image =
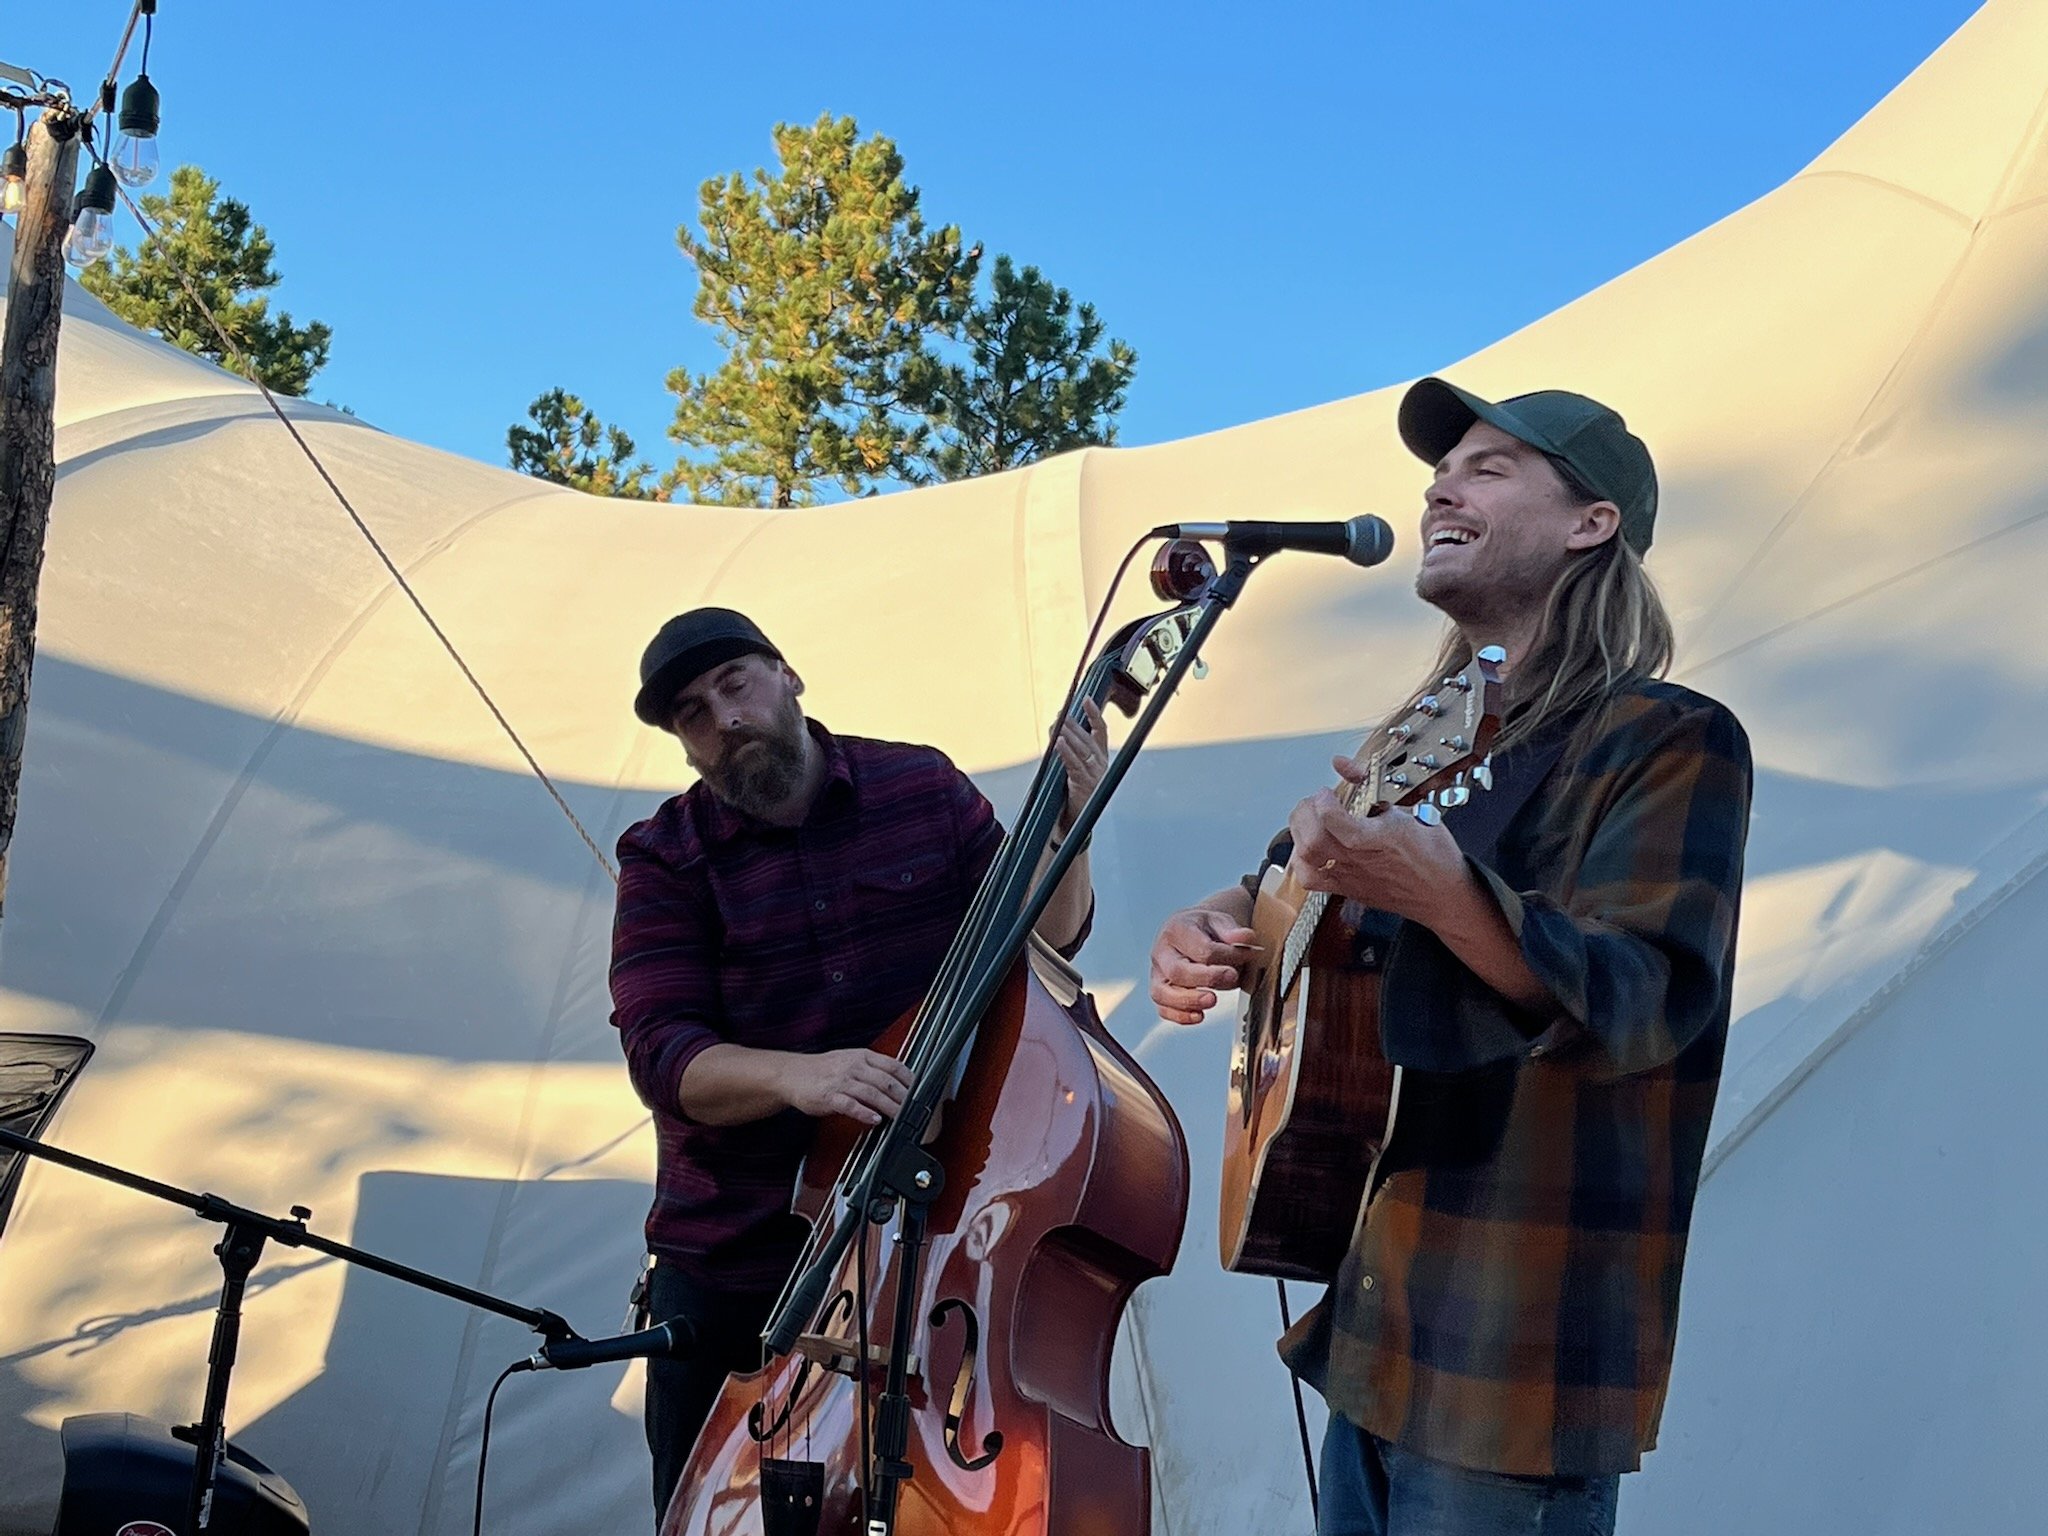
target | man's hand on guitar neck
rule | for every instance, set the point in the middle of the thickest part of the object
(1199, 952)
(1391, 861)
(1414, 870)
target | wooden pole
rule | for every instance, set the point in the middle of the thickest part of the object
(28, 400)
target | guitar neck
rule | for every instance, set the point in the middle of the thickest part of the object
(1359, 801)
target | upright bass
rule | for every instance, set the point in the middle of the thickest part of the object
(944, 1348)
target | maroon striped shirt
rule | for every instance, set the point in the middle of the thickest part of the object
(811, 938)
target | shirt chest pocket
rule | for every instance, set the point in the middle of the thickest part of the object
(905, 888)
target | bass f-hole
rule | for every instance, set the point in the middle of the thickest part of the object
(963, 1384)
(838, 1309)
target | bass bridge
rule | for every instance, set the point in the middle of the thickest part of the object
(837, 1355)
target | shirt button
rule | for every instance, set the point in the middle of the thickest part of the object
(839, 975)
(905, 877)
(1365, 1283)
(817, 906)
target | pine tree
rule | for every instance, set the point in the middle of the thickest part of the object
(824, 287)
(569, 445)
(1032, 383)
(211, 240)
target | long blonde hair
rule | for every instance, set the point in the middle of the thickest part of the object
(1604, 629)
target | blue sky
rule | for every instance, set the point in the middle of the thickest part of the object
(1277, 206)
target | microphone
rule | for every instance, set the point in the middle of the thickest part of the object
(573, 1354)
(1364, 540)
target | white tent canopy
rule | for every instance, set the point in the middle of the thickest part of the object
(337, 947)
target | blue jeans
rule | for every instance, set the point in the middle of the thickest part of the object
(1371, 1488)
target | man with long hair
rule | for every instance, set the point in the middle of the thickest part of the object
(1556, 960)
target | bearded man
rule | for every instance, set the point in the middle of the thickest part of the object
(772, 920)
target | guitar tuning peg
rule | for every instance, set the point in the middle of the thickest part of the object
(1483, 774)
(1450, 799)
(1493, 654)
(1429, 815)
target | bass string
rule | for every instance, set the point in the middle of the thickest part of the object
(1002, 892)
(1015, 861)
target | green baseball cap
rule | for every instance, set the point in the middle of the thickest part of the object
(1587, 435)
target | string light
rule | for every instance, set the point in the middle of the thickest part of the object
(92, 216)
(14, 168)
(135, 159)
(131, 159)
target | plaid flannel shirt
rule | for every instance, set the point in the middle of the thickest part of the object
(1515, 1310)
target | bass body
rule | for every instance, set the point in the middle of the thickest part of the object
(1066, 1186)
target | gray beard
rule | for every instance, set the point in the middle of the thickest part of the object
(758, 773)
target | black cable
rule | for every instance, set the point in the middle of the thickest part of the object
(384, 555)
(483, 1449)
(135, 14)
(1308, 1458)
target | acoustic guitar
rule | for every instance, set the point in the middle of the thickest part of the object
(1312, 1094)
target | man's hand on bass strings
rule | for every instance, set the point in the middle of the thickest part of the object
(863, 1086)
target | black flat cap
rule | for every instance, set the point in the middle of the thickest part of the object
(688, 646)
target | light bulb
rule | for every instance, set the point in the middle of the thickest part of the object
(134, 158)
(91, 237)
(13, 178)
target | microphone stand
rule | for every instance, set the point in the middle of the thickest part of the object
(238, 1251)
(904, 1173)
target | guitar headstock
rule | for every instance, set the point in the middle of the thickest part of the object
(1437, 751)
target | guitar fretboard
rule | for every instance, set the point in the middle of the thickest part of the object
(1295, 950)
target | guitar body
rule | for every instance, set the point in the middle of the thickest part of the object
(1312, 1098)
